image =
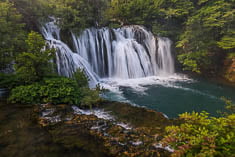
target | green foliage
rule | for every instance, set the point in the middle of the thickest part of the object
(229, 108)
(176, 8)
(208, 29)
(60, 90)
(90, 97)
(200, 135)
(33, 11)
(74, 15)
(134, 11)
(193, 61)
(25, 94)
(9, 81)
(35, 43)
(12, 34)
(56, 91)
(34, 64)
(227, 41)
(81, 79)
(77, 15)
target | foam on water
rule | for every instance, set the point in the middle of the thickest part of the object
(140, 85)
(167, 148)
(97, 112)
(100, 113)
(126, 126)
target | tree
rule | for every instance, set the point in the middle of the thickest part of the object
(208, 31)
(77, 15)
(80, 77)
(12, 34)
(142, 12)
(34, 64)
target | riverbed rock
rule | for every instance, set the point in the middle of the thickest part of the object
(132, 132)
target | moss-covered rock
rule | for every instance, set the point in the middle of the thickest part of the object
(110, 137)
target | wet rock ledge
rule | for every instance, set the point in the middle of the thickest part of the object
(114, 129)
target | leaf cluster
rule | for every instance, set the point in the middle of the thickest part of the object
(202, 135)
(12, 34)
(33, 65)
(58, 90)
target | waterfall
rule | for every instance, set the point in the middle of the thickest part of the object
(123, 53)
(66, 60)
(165, 60)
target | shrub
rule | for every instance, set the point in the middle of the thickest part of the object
(194, 62)
(202, 136)
(80, 77)
(60, 90)
(26, 94)
(90, 97)
(56, 91)
(9, 81)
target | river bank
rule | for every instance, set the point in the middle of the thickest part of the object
(113, 129)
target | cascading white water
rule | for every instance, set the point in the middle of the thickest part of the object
(165, 60)
(124, 53)
(67, 61)
(117, 53)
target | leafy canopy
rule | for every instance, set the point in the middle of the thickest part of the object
(208, 30)
(34, 64)
(12, 34)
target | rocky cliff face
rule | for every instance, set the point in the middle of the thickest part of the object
(229, 70)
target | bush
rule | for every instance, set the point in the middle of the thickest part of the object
(80, 77)
(26, 94)
(202, 136)
(60, 90)
(9, 81)
(56, 91)
(90, 97)
(194, 62)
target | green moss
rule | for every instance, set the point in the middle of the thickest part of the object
(148, 120)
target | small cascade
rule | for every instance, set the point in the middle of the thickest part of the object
(165, 60)
(123, 53)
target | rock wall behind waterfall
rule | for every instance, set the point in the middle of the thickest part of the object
(127, 52)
